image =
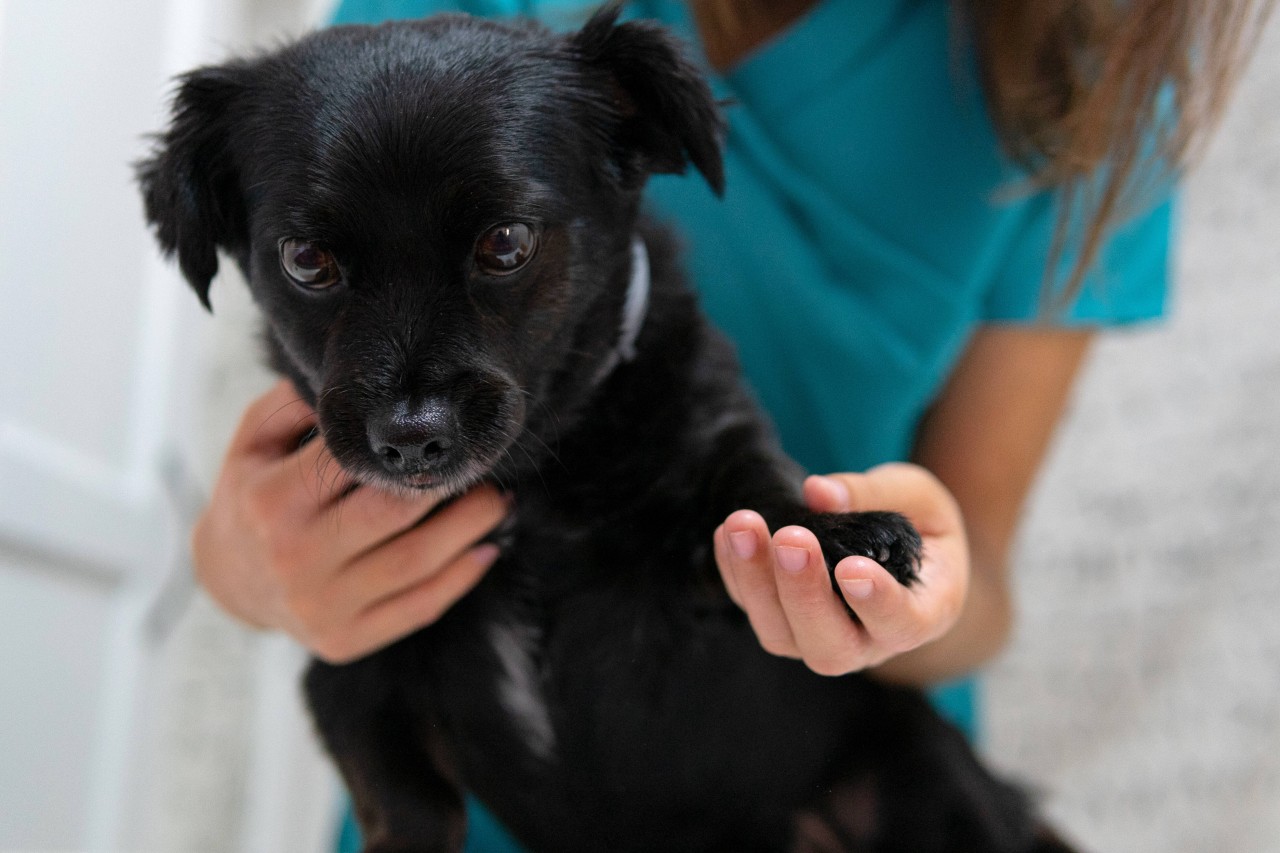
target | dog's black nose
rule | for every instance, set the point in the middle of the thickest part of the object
(413, 438)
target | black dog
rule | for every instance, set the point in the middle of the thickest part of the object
(439, 220)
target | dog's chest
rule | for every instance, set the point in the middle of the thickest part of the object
(520, 682)
(585, 670)
(621, 712)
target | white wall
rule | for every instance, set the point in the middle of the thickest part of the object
(104, 367)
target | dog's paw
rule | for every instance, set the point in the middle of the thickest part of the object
(886, 537)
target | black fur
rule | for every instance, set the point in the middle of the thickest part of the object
(597, 690)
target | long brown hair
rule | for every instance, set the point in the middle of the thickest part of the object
(1101, 99)
(1106, 98)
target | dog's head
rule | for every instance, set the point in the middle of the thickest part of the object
(435, 218)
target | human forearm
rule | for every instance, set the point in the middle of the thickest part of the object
(985, 438)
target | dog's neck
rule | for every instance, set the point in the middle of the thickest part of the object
(634, 310)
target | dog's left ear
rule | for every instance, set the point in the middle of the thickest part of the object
(667, 115)
(190, 184)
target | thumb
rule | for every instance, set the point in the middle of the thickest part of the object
(896, 486)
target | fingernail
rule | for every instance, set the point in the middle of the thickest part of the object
(859, 588)
(839, 490)
(485, 554)
(743, 543)
(792, 559)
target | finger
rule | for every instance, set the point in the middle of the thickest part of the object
(407, 559)
(748, 568)
(366, 517)
(898, 486)
(894, 617)
(420, 605)
(829, 641)
(826, 494)
(274, 423)
(322, 478)
(290, 494)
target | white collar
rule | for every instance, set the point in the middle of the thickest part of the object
(634, 311)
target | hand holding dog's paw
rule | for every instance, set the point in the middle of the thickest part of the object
(783, 583)
(888, 538)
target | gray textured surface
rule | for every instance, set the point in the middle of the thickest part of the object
(1143, 685)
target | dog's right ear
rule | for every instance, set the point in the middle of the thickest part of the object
(665, 114)
(190, 184)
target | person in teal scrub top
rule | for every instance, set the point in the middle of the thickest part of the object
(931, 208)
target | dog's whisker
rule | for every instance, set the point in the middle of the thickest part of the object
(553, 421)
(331, 476)
(533, 463)
(550, 451)
(257, 432)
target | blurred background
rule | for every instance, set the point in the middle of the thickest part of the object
(1141, 694)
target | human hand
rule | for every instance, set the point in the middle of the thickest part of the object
(783, 585)
(289, 541)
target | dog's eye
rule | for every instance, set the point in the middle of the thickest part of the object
(308, 265)
(506, 248)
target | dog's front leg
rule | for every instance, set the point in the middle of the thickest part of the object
(405, 799)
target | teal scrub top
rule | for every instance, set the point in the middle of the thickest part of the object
(870, 223)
